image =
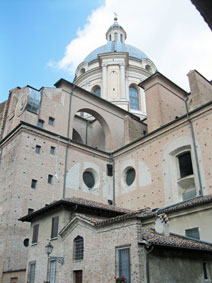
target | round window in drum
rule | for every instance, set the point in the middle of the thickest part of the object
(89, 179)
(130, 176)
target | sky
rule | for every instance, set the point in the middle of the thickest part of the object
(42, 41)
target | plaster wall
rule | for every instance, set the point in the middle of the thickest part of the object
(175, 266)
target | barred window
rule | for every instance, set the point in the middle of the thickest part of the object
(78, 248)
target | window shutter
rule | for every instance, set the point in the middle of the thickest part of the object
(35, 234)
(55, 222)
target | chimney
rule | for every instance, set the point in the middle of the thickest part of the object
(162, 224)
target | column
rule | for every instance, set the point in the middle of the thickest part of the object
(123, 92)
(104, 81)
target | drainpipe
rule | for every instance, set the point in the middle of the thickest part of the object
(86, 133)
(114, 187)
(195, 149)
(68, 136)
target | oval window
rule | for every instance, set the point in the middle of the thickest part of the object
(89, 179)
(130, 176)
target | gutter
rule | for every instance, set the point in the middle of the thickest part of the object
(67, 147)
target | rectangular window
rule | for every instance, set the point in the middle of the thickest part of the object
(52, 150)
(33, 183)
(31, 272)
(78, 276)
(52, 271)
(109, 170)
(40, 123)
(55, 224)
(50, 179)
(124, 263)
(192, 233)
(51, 121)
(185, 164)
(37, 149)
(30, 210)
(205, 270)
(35, 234)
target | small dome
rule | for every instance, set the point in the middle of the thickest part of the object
(115, 46)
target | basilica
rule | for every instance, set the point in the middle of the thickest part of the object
(108, 177)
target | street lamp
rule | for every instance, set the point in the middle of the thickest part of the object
(48, 250)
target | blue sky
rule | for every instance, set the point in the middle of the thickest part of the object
(33, 32)
(42, 41)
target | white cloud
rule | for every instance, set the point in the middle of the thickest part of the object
(172, 33)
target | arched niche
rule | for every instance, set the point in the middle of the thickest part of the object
(91, 128)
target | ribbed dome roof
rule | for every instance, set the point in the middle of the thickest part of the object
(115, 46)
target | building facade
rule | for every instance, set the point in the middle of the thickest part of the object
(99, 139)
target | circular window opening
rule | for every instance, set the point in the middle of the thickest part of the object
(148, 68)
(130, 176)
(89, 179)
(26, 242)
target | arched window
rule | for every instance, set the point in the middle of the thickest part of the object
(97, 91)
(116, 36)
(121, 37)
(78, 248)
(134, 101)
(110, 37)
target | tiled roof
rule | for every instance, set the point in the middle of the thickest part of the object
(95, 204)
(79, 203)
(185, 204)
(174, 241)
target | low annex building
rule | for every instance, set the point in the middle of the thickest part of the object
(92, 242)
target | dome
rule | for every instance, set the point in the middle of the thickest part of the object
(116, 46)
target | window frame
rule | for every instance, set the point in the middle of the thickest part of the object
(51, 121)
(35, 233)
(52, 150)
(34, 183)
(50, 179)
(37, 149)
(133, 105)
(54, 270)
(40, 123)
(31, 279)
(78, 249)
(181, 174)
(195, 230)
(55, 227)
(118, 271)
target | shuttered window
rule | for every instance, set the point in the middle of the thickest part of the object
(124, 263)
(55, 223)
(35, 234)
(31, 272)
